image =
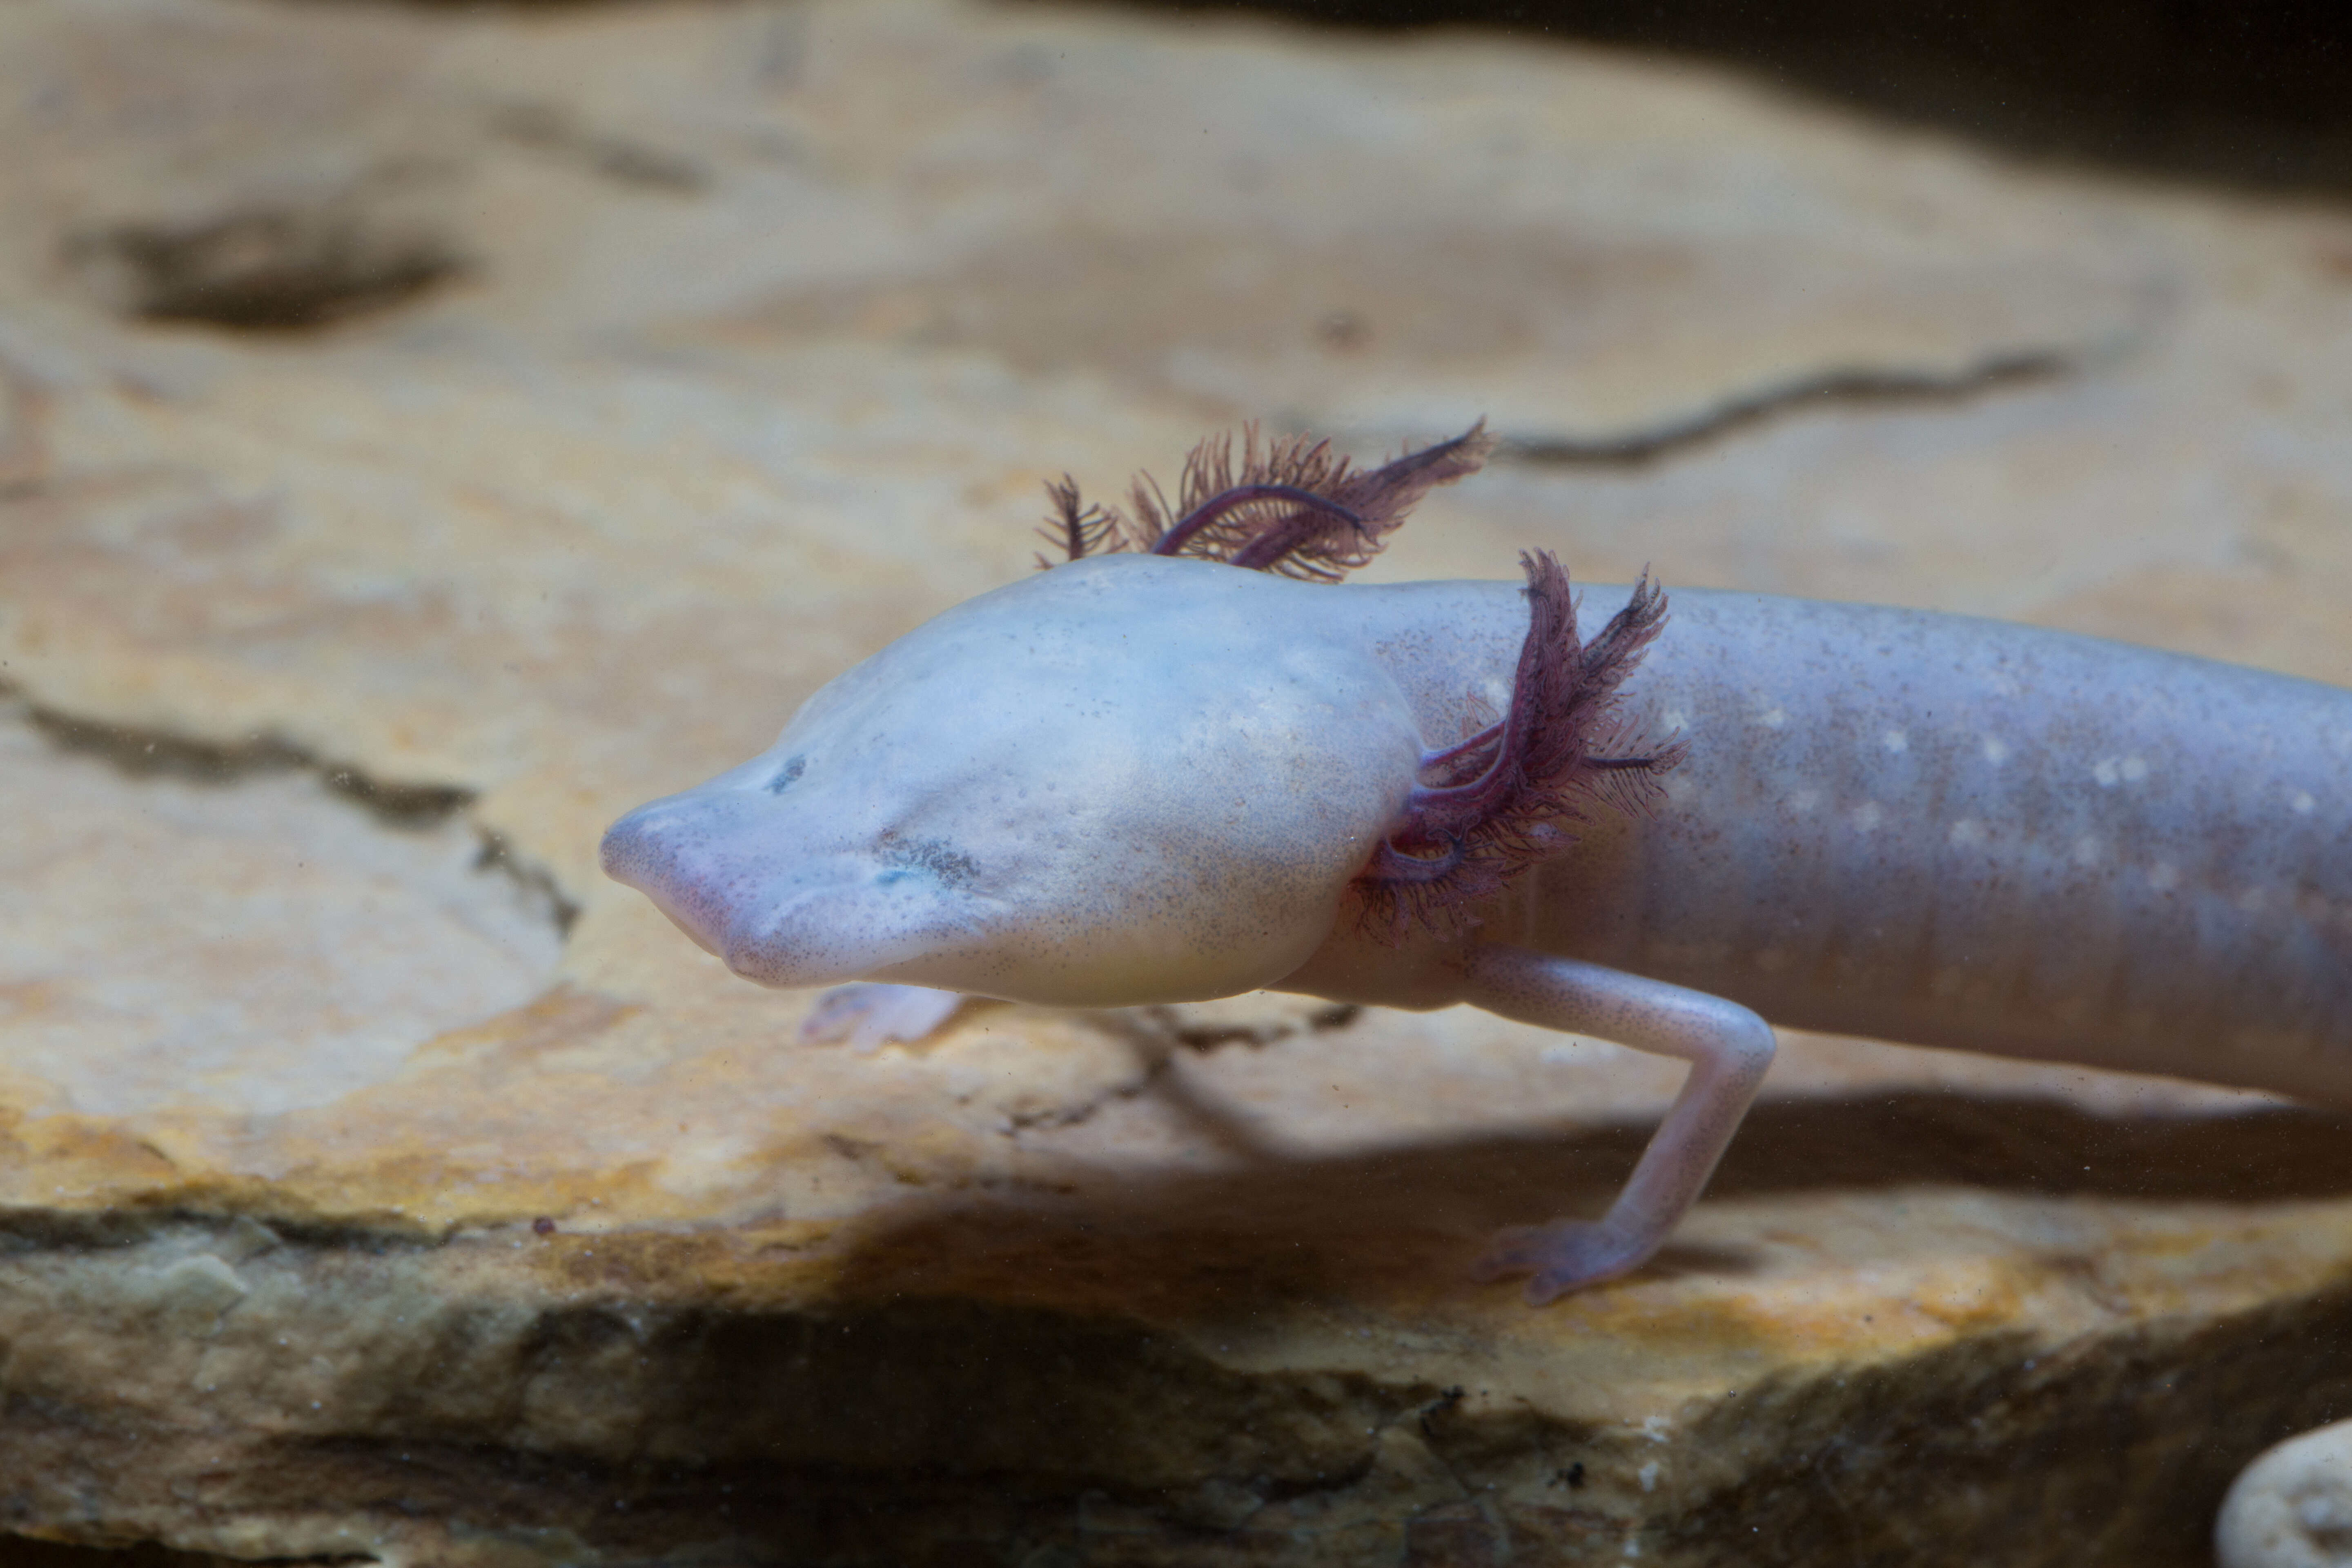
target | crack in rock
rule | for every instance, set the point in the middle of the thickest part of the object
(158, 752)
(266, 269)
(148, 753)
(1854, 387)
(547, 128)
(170, 941)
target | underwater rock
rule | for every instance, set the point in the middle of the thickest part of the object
(435, 1201)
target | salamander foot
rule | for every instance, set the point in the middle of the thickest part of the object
(870, 1015)
(1565, 1256)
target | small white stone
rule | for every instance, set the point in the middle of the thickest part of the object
(190, 1295)
(2291, 1508)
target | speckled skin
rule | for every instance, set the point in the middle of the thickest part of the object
(1127, 780)
(1139, 779)
(1939, 831)
(1136, 779)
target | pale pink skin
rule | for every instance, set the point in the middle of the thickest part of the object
(1924, 828)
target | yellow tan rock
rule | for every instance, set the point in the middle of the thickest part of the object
(764, 327)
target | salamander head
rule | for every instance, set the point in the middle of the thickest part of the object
(1130, 779)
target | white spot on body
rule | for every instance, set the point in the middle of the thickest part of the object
(1867, 815)
(2302, 804)
(1773, 718)
(2107, 772)
(1967, 830)
(1804, 801)
(1996, 749)
(2163, 876)
(2134, 770)
(1896, 740)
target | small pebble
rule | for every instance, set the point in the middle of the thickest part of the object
(2291, 1508)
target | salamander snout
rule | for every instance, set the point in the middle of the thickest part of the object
(782, 898)
(678, 851)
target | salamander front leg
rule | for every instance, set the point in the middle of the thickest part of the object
(1729, 1049)
(870, 1014)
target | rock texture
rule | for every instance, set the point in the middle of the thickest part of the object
(424, 434)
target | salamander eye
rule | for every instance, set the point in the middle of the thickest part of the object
(787, 775)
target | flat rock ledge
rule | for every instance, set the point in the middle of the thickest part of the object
(426, 432)
(627, 1397)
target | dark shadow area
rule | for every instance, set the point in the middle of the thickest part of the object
(24, 1552)
(1920, 1138)
(1286, 1224)
(2258, 94)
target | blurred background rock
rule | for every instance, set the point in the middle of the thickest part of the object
(2259, 95)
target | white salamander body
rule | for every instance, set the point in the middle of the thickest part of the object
(1944, 831)
(1154, 776)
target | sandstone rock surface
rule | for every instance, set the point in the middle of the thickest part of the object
(425, 434)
